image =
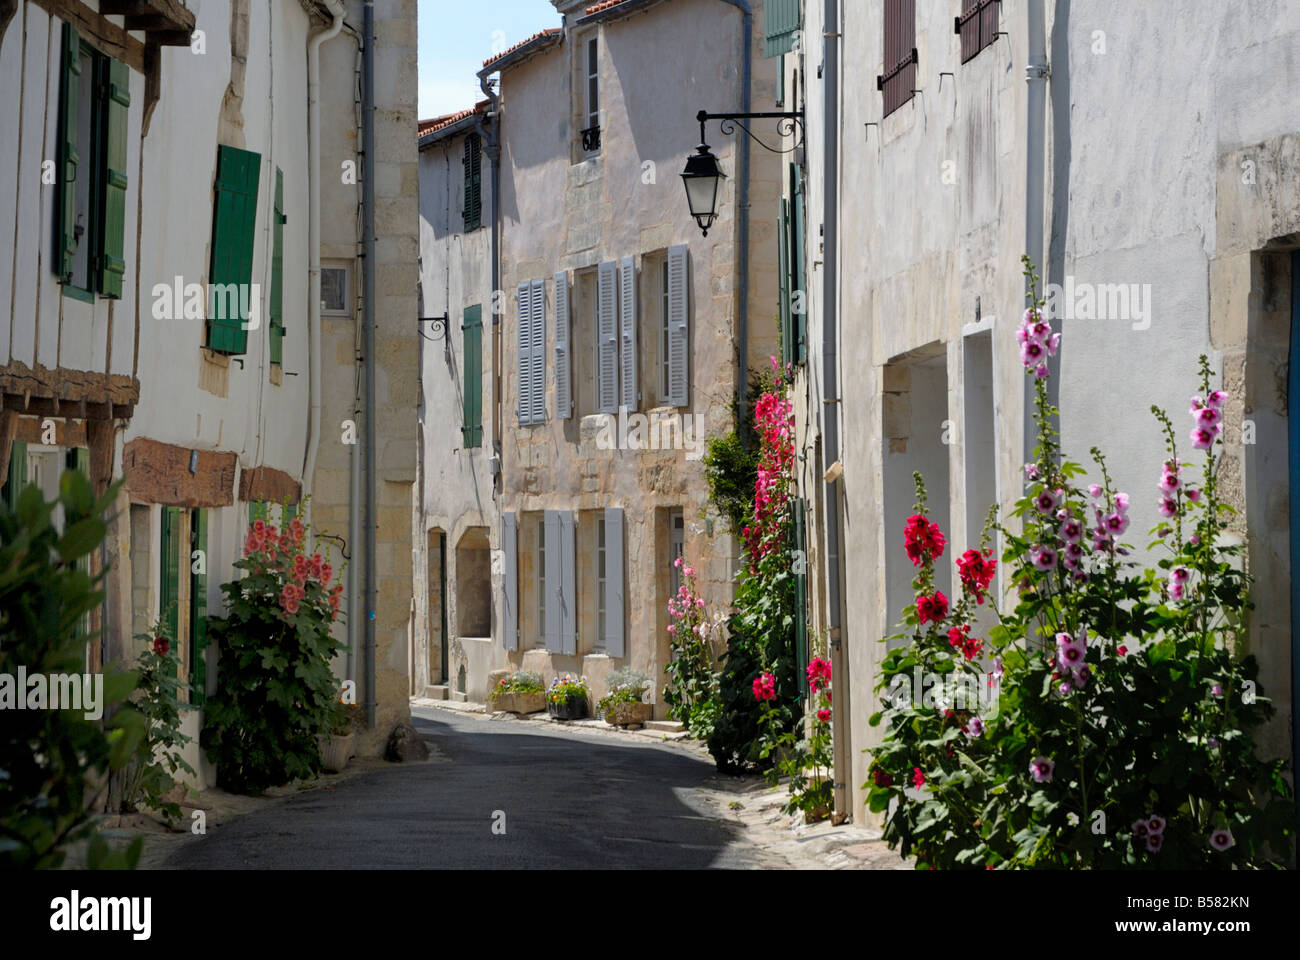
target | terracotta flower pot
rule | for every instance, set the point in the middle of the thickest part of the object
(624, 714)
(336, 751)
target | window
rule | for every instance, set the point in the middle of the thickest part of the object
(780, 26)
(591, 135)
(541, 583)
(90, 217)
(472, 333)
(898, 80)
(234, 223)
(532, 352)
(601, 602)
(676, 546)
(334, 291)
(275, 308)
(473, 211)
(791, 256)
(977, 26)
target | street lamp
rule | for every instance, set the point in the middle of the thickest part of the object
(702, 177)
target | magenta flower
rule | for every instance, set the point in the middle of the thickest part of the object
(1193, 494)
(1168, 507)
(1031, 471)
(1202, 438)
(1094, 490)
(1121, 503)
(1040, 768)
(1208, 417)
(974, 728)
(1217, 399)
(1155, 824)
(1180, 574)
(1046, 501)
(1071, 531)
(1216, 690)
(1043, 557)
(1041, 371)
(1154, 842)
(1221, 840)
(1117, 523)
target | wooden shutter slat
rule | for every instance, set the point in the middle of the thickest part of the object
(510, 578)
(563, 356)
(568, 584)
(116, 106)
(538, 355)
(551, 602)
(607, 330)
(627, 333)
(524, 313)
(614, 566)
(678, 332)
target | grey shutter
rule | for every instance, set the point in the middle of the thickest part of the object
(551, 602)
(538, 355)
(678, 357)
(563, 365)
(627, 331)
(614, 579)
(568, 582)
(510, 602)
(607, 330)
(525, 322)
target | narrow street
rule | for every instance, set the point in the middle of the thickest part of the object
(571, 800)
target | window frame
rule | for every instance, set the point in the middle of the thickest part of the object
(897, 26)
(88, 164)
(345, 268)
(983, 16)
(602, 582)
(539, 553)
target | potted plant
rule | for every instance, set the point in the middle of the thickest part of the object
(567, 698)
(336, 747)
(519, 692)
(625, 704)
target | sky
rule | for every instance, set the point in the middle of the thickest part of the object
(456, 36)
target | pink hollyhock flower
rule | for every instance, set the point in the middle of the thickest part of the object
(1202, 438)
(918, 778)
(1194, 404)
(291, 605)
(677, 562)
(1117, 523)
(974, 728)
(1082, 675)
(997, 666)
(1155, 825)
(1121, 503)
(1155, 842)
(1043, 557)
(1194, 540)
(1221, 840)
(1041, 371)
(1208, 417)
(1168, 482)
(1032, 353)
(1040, 768)
(1139, 829)
(1094, 490)
(1168, 507)
(689, 571)
(259, 527)
(1081, 578)
(1216, 690)
(672, 628)
(326, 573)
(824, 715)
(1071, 531)
(1180, 574)
(1217, 399)
(1175, 591)
(1046, 501)
(699, 602)
(1053, 344)
(1193, 494)
(1031, 471)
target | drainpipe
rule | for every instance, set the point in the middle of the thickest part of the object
(313, 241)
(830, 395)
(492, 127)
(368, 293)
(1037, 72)
(742, 211)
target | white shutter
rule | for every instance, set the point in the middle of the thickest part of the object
(525, 322)
(538, 355)
(563, 365)
(678, 344)
(551, 602)
(568, 581)
(614, 576)
(627, 329)
(607, 331)
(510, 602)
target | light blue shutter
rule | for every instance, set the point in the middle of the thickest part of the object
(627, 332)
(510, 601)
(613, 582)
(563, 364)
(678, 303)
(607, 330)
(538, 354)
(780, 24)
(551, 602)
(525, 323)
(568, 581)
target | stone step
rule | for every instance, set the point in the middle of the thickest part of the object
(436, 692)
(665, 726)
(459, 697)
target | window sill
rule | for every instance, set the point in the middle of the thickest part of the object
(76, 293)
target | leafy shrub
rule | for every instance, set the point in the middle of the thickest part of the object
(54, 764)
(521, 681)
(275, 691)
(692, 663)
(625, 686)
(158, 758)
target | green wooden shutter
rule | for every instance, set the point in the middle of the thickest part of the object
(198, 607)
(473, 212)
(234, 222)
(78, 459)
(169, 567)
(275, 309)
(780, 23)
(798, 278)
(116, 107)
(801, 590)
(472, 428)
(288, 513)
(65, 236)
(256, 511)
(783, 281)
(17, 477)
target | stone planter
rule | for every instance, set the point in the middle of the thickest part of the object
(624, 714)
(817, 814)
(336, 751)
(520, 703)
(574, 709)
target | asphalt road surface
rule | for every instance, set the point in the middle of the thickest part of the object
(570, 800)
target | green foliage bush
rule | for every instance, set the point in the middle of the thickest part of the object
(158, 758)
(54, 764)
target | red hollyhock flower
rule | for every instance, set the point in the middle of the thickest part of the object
(823, 715)
(922, 540)
(819, 673)
(161, 646)
(918, 778)
(1122, 650)
(882, 778)
(976, 571)
(932, 609)
(765, 687)
(960, 638)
